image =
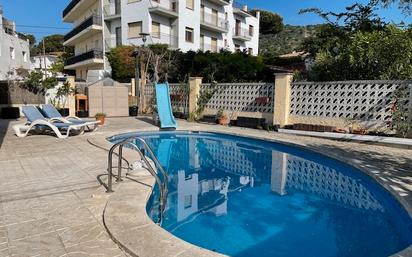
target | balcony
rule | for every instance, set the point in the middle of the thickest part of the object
(241, 10)
(209, 47)
(88, 28)
(213, 23)
(75, 9)
(90, 58)
(220, 2)
(112, 11)
(162, 38)
(241, 34)
(165, 8)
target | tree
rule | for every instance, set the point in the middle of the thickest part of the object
(405, 5)
(270, 23)
(357, 17)
(30, 37)
(52, 43)
(122, 63)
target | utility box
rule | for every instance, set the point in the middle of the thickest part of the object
(109, 97)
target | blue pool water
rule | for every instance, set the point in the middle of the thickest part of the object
(247, 197)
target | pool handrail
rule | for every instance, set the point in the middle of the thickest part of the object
(163, 187)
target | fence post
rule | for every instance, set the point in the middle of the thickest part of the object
(194, 87)
(71, 101)
(282, 92)
(133, 86)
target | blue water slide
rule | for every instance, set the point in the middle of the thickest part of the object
(164, 107)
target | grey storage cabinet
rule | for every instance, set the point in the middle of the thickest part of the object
(109, 97)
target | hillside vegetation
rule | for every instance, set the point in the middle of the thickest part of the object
(288, 40)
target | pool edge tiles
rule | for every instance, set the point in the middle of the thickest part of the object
(265, 140)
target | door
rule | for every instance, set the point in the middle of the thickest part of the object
(214, 45)
(118, 36)
(214, 17)
(237, 29)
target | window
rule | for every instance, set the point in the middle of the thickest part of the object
(226, 16)
(12, 53)
(250, 51)
(133, 1)
(190, 4)
(187, 201)
(214, 45)
(251, 30)
(156, 29)
(225, 42)
(189, 35)
(237, 48)
(135, 28)
(24, 56)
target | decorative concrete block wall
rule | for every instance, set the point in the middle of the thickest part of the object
(284, 102)
(241, 99)
(336, 103)
(179, 99)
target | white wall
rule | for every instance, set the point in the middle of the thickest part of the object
(6, 62)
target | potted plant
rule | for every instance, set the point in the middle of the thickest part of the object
(222, 119)
(100, 116)
(63, 94)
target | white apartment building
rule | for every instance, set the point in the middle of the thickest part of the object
(208, 25)
(14, 51)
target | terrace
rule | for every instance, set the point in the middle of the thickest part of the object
(53, 204)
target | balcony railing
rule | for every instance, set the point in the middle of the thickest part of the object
(209, 47)
(70, 7)
(241, 33)
(162, 38)
(92, 20)
(167, 8)
(213, 20)
(92, 54)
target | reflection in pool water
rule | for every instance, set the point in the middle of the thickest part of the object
(244, 197)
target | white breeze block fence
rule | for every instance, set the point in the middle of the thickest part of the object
(331, 102)
(240, 99)
(317, 103)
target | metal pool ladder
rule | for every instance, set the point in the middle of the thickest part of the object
(130, 142)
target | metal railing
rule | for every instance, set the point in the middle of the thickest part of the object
(171, 5)
(214, 20)
(209, 47)
(163, 38)
(92, 20)
(92, 54)
(130, 142)
(243, 33)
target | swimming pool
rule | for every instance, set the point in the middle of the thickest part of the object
(247, 197)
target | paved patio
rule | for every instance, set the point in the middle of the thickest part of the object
(51, 203)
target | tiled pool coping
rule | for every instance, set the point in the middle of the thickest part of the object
(144, 232)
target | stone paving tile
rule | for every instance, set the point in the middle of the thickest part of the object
(95, 249)
(3, 235)
(83, 233)
(31, 228)
(4, 250)
(42, 245)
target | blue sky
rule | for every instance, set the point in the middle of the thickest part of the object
(37, 14)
